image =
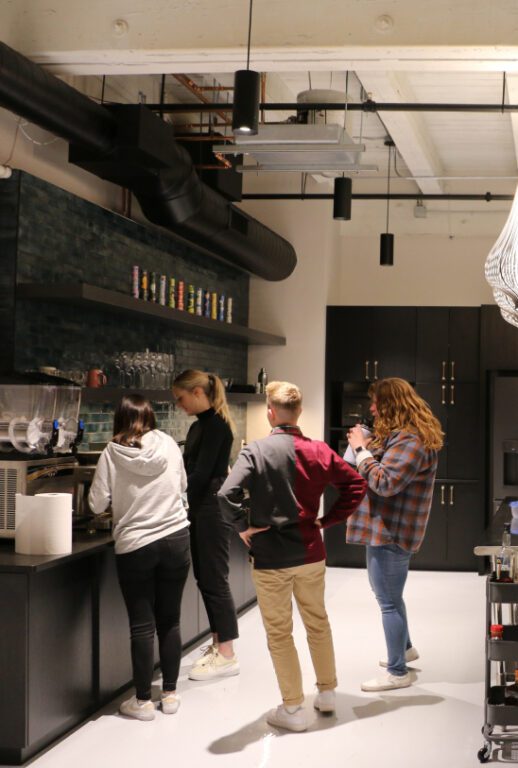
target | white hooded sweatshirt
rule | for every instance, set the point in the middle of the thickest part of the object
(144, 487)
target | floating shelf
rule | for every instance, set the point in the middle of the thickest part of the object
(112, 394)
(83, 294)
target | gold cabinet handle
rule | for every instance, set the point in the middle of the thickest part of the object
(452, 394)
(375, 370)
(452, 370)
(443, 394)
(443, 492)
(443, 377)
(367, 370)
(452, 498)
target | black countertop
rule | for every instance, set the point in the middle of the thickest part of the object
(83, 544)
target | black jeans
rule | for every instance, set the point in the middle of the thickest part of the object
(152, 579)
(210, 551)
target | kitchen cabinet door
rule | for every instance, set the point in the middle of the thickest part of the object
(463, 433)
(433, 552)
(368, 343)
(434, 395)
(465, 525)
(448, 341)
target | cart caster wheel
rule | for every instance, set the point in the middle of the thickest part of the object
(484, 753)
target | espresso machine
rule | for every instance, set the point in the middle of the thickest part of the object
(40, 430)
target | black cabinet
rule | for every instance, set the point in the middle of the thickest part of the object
(455, 527)
(499, 341)
(438, 349)
(368, 343)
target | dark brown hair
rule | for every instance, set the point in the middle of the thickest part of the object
(133, 417)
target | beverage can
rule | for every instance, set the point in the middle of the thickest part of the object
(180, 295)
(206, 304)
(199, 302)
(172, 293)
(162, 290)
(214, 305)
(221, 308)
(229, 309)
(190, 300)
(135, 282)
(152, 286)
(144, 285)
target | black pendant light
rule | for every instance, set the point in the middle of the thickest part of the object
(245, 116)
(342, 198)
(387, 239)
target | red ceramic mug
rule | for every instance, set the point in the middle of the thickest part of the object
(95, 378)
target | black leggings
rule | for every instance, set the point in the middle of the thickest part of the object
(210, 550)
(152, 579)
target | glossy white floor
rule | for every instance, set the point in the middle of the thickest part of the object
(434, 723)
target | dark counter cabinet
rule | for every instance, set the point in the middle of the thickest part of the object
(64, 644)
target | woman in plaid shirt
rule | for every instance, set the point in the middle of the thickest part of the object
(399, 464)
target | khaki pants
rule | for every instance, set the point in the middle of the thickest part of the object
(274, 596)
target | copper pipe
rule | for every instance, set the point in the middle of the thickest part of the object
(215, 87)
(263, 94)
(198, 92)
(212, 167)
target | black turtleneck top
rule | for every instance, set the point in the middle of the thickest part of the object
(206, 454)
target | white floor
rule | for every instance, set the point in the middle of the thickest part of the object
(434, 723)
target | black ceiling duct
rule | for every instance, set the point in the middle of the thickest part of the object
(131, 146)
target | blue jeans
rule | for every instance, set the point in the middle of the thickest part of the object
(387, 567)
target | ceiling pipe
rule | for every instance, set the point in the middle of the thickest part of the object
(131, 146)
(488, 197)
(364, 106)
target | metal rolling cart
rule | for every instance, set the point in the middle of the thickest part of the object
(500, 727)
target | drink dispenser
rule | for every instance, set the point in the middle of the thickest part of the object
(26, 414)
(37, 417)
(67, 417)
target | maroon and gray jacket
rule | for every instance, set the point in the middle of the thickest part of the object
(285, 475)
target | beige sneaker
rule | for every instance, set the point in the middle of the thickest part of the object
(169, 702)
(411, 654)
(207, 652)
(214, 666)
(140, 710)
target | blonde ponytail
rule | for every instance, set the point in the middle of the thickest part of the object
(213, 388)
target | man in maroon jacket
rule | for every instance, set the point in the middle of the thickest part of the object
(285, 475)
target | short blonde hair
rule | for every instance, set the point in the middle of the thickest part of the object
(282, 394)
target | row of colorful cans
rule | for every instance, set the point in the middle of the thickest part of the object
(172, 293)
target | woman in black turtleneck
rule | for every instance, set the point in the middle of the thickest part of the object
(206, 458)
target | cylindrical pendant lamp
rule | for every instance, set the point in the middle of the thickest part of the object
(386, 249)
(342, 198)
(245, 116)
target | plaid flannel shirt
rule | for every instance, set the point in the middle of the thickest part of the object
(400, 477)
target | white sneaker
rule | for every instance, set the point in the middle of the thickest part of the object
(411, 654)
(169, 702)
(140, 710)
(387, 682)
(325, 701)
(216, 665)
(290, 718)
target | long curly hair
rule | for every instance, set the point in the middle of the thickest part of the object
(399, 407)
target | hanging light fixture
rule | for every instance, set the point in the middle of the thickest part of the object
(387, 239)
(501, 267)
(342, 198)
(245, 116)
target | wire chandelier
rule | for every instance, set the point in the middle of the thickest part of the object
(502, 267)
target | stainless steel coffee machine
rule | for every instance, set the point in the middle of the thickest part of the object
(39, 433)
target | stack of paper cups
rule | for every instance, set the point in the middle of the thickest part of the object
(43, 524)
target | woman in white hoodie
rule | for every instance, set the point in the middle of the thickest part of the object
(141, 474)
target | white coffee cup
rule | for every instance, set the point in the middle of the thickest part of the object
(350, 454)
